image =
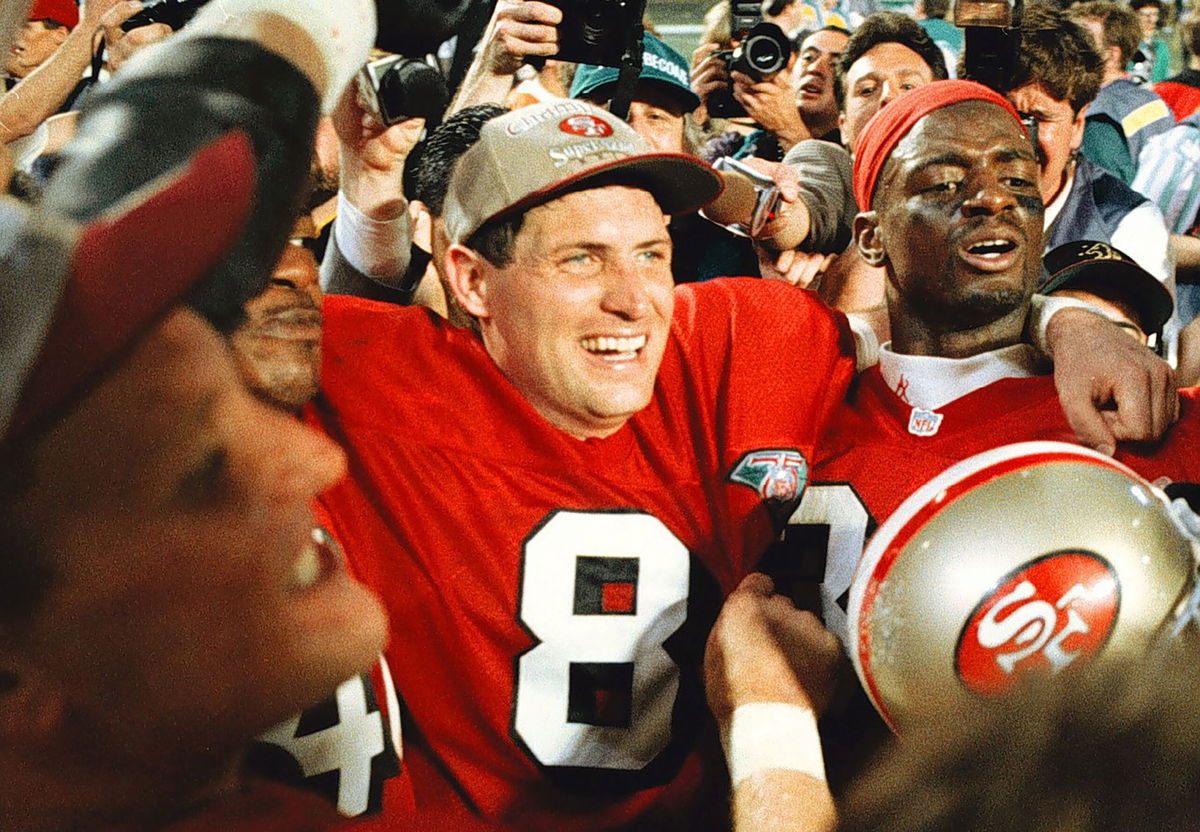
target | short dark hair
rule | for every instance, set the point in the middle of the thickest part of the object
(1059, 55)
(1095, 750)
(887, 27)
(427, 169)
(494, 240)
(1118, 22)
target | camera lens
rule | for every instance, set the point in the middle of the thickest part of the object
(594, 23)
(763, 53)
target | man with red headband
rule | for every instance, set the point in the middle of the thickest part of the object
(947, 181)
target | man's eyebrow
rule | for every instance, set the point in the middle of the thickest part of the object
(947, 158)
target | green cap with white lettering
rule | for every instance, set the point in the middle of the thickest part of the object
(530, 156)
(660, 64)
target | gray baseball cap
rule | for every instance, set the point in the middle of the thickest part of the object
(531, 155)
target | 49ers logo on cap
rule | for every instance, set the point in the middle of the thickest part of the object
(586, 125)
(1046, 615)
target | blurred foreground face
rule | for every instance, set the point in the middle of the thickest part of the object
(190, 607)
(278, 346)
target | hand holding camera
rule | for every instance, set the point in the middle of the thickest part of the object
(519, 29)
(771, 102)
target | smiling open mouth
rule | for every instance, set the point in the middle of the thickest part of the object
(615, 349)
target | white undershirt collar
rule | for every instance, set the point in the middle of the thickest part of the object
(930, 382)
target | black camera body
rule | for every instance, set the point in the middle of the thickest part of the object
(597, 31)
(395, 88)
(174, 13)
(761, 52)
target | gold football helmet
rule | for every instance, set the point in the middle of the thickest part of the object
(1030, 557)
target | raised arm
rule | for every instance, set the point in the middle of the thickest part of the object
(769, 670)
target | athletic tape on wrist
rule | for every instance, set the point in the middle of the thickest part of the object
(773, 735)
(1043, 308)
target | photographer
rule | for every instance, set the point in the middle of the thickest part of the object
(787, 106)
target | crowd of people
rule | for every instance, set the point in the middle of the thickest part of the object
(511, 468)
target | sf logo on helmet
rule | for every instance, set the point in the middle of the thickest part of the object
(1045, 616)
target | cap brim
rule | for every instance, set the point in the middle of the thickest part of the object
(1128, 282)
(680, 183)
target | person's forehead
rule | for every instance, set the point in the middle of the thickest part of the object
(826, 41)
(969, 125)
(1034, 97)
(652, 94)
(889, 57)
(581, 206)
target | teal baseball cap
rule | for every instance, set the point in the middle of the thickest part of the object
(660, 64)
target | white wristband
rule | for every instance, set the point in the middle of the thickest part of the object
(773, 735)
(1042, 308)
(377, 248)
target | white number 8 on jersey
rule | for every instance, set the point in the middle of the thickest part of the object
(601, 592)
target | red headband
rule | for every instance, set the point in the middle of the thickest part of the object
(887, 127)
(60, 11)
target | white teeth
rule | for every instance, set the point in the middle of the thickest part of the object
(619, 348)
(307, 568)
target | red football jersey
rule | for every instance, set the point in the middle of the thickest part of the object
(347, 748)
(550, 597)
(881, 449)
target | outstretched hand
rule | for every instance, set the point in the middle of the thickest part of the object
(1112, 388)
(763, 649)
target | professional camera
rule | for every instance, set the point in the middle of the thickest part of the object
(174, 13)
(992, 38)
(762, 51)
(394, 88)
(765, 51)
(597, 31)
(992, 42)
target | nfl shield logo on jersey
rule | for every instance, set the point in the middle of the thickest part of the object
(777, 474)
(924, 422)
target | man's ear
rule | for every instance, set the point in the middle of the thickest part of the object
(869, 238)
(467, 276)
